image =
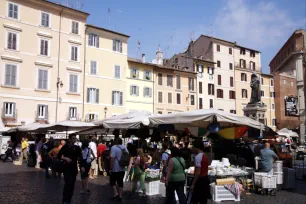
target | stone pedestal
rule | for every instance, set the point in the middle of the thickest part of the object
(257, 112)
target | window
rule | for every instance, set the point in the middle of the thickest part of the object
(242, 51)
(9, 109)
(72, 113)
(210, 70)
(231, 66)
(178, 98)
(73, 83)
(12, 41)
(272, 106)
(135, 73)
(192, 101)
(191, 84)
(244, 93)
(230, 51)
(243, 77)
(272, 94)
(169, 97)
(262, 93)
(117, 46)
(272, 82)
(160, 97)
(170, 80)
(273, 122)
(200, 103)
(117, 71)
(242, 63)
(211, 89)
(200, 68)
(44, 47)
(42, 112)
(200, 87)
(219, 80)
(74, 53)
(147, 75)
(252, 54)
(232, 94)
(284, 81)
(93, 67)
(13, 10)
(262, 81)
(219, 93)
(218, 63)
(43, 79)
(178, 82)
(233, 111)
(160, 112)
(92, 95)
(291, 83)
(117, 98)
(211, 103)
(231, 81)
(252, 66)
(134, 90)
(75, 27)
(45, 19)
(147, 92)
(160, 79)
(92, 116)
(10, 75)
(218, 48)
(93, 40)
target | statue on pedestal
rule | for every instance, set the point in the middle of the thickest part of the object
(255, 85)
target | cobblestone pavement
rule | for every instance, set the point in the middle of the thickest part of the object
(23, 185)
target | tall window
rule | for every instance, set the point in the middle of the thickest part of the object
(219, 93)
(117, 45)
(191, 84)
(211, 103)
(211, 89)
(284, 81)
(242, 63)
(160, 97)
(244, 93)
(178, 82)
(273, 122)
(272, 94)
(42, 112)
(134, 73)
(262, 93)
(169, 80)
(147, 92)
(72, 113)
(200, 68)
(243, 77)
(272, 82)
(219, 80)
(232, 95)
(75, 27)
(200, 87)
(230, 51)
(218, 63)
(218, 48)
(92, 95)
(93, 67)
(192, 100)
(12, 41)
(117, 98)
(44, 47)
(147, 75)
(42, 79)
(242, 51)
(252, 54)
(74, 53)
(117, 71)
(231, 66)
(178, 98)
(9, 109)
(93, 40)
(200, 103)
(273, 106)
(160, 79)
(10, 75)
(231, 81)
(134, 90)
(73, 83)
(45, 19)
(262, 81)
(169, 97)
(252, 65)
(13, 10)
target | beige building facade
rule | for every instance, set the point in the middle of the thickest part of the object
(105, 73)
(41, 62)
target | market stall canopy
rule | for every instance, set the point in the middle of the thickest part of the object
(131, 120)
(92, 130)
(67, 125)
(287, 133)
(202, 118)
(32, 127)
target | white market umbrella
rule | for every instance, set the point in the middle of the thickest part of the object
(67, 125)
(287, 133)
(202, 118)
(32, 127)
(132, 120)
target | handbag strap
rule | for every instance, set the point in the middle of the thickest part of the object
(181, 165)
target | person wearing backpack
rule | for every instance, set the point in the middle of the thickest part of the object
(166, 155)
(119, 160)
(175, 180)
(85, 164)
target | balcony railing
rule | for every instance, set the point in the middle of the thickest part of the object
(42, 119)
(9, 117)
(247, 67)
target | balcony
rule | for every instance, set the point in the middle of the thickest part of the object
(246, 67)
(9, 117)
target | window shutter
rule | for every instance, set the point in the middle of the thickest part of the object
(14, 109)
(131, 90)
(137, 74)
(97, 95)
(45, 84)
(40, 79)
(113, 97)
(246, 77)
(97, 41)
(150, 92)
(120, 46)
(137, 90)
(47, 112)
(213, 89)
(219, 79)
(114, 45)
(144, 91)
(131, 73)
(88, 95)
(90, 39)
(121, 98)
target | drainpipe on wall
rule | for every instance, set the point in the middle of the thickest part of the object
(83, 104)
(58, 63)
(153, 87)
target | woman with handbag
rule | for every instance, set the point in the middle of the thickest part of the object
(175, 180)
(85, 164)
(139, 172)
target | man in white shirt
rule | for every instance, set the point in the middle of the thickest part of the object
(93, 147)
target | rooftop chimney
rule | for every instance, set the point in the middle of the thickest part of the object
(143, 58)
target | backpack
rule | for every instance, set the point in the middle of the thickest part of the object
(169, 157)
(84, 162)
(124, 159)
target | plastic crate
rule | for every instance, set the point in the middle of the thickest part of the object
(152, 188)
(263, 180)
(220, 193)
(279, 178)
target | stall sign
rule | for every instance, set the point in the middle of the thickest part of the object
(291, 106)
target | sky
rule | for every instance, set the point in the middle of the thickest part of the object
(263, 25)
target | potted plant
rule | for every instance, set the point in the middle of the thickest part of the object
(134, 75)
(147, 77)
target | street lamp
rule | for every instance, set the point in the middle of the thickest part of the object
(105, 111)
(59, 84)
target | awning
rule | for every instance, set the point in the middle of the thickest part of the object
(286, 132)
(67, 125)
